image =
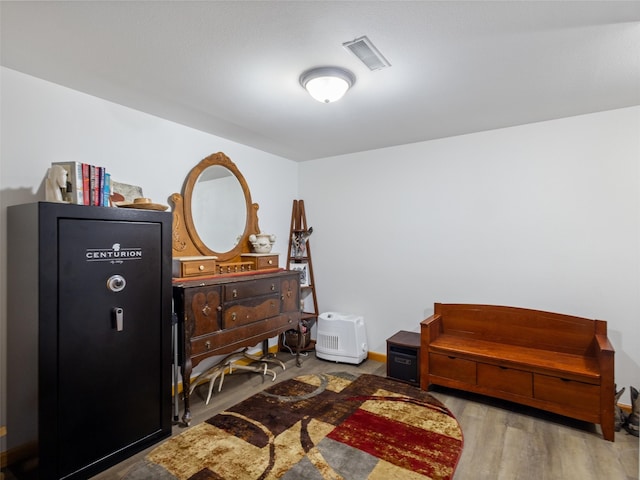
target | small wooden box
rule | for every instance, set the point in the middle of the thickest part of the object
(193, 266)
(262, 261)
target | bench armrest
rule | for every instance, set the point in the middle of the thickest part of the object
(605, 354)
(430, 328)
(436, 317)
(603, 345)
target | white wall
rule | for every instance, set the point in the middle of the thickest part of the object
(43, 123)
(543, 216)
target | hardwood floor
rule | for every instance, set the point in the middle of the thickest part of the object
(501, 440)
(507, 441)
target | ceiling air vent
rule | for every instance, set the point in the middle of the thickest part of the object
(367, 53)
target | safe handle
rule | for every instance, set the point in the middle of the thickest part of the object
(118, 318)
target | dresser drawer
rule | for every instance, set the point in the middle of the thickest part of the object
(203, 345)
(505, 379)
(250, 312)
(251, 288)
(270, 261)
(452, 367)
(577, 395)
(227, 341)
(205, 310)
(194, 266)
(290, 294)
(262, 261)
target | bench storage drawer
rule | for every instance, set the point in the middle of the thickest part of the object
(505, 379)
(577, 395)
(452, 367)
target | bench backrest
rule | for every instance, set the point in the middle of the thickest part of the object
(522, 327)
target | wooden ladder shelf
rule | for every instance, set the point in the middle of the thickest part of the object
(299, 258)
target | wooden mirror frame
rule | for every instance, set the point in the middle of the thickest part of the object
(186, 242)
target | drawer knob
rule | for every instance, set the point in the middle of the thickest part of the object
(207, 345)
(206, 310)
(201, 267)
(270, 262)
(273, 287)
(233, 317)
(234, 293)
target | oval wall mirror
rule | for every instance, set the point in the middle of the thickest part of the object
(218, 214)
(218, 208)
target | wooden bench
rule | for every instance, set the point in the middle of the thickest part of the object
(554, 362)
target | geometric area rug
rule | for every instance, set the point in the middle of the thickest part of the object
(328, 426)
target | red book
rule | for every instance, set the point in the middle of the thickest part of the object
(92, 185)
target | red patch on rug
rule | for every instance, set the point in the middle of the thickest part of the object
(412, 448)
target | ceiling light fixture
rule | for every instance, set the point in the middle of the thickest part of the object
(327, 84)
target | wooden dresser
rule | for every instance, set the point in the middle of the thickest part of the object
(221, 314)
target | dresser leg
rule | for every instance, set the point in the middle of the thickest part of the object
(186, 376)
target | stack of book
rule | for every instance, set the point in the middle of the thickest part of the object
(86, 184)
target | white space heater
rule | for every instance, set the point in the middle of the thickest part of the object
(341, 337)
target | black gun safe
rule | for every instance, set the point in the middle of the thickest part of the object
(89, 334)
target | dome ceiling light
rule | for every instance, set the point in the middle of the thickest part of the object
(327, 84)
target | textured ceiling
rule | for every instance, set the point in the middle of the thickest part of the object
(231, 68)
